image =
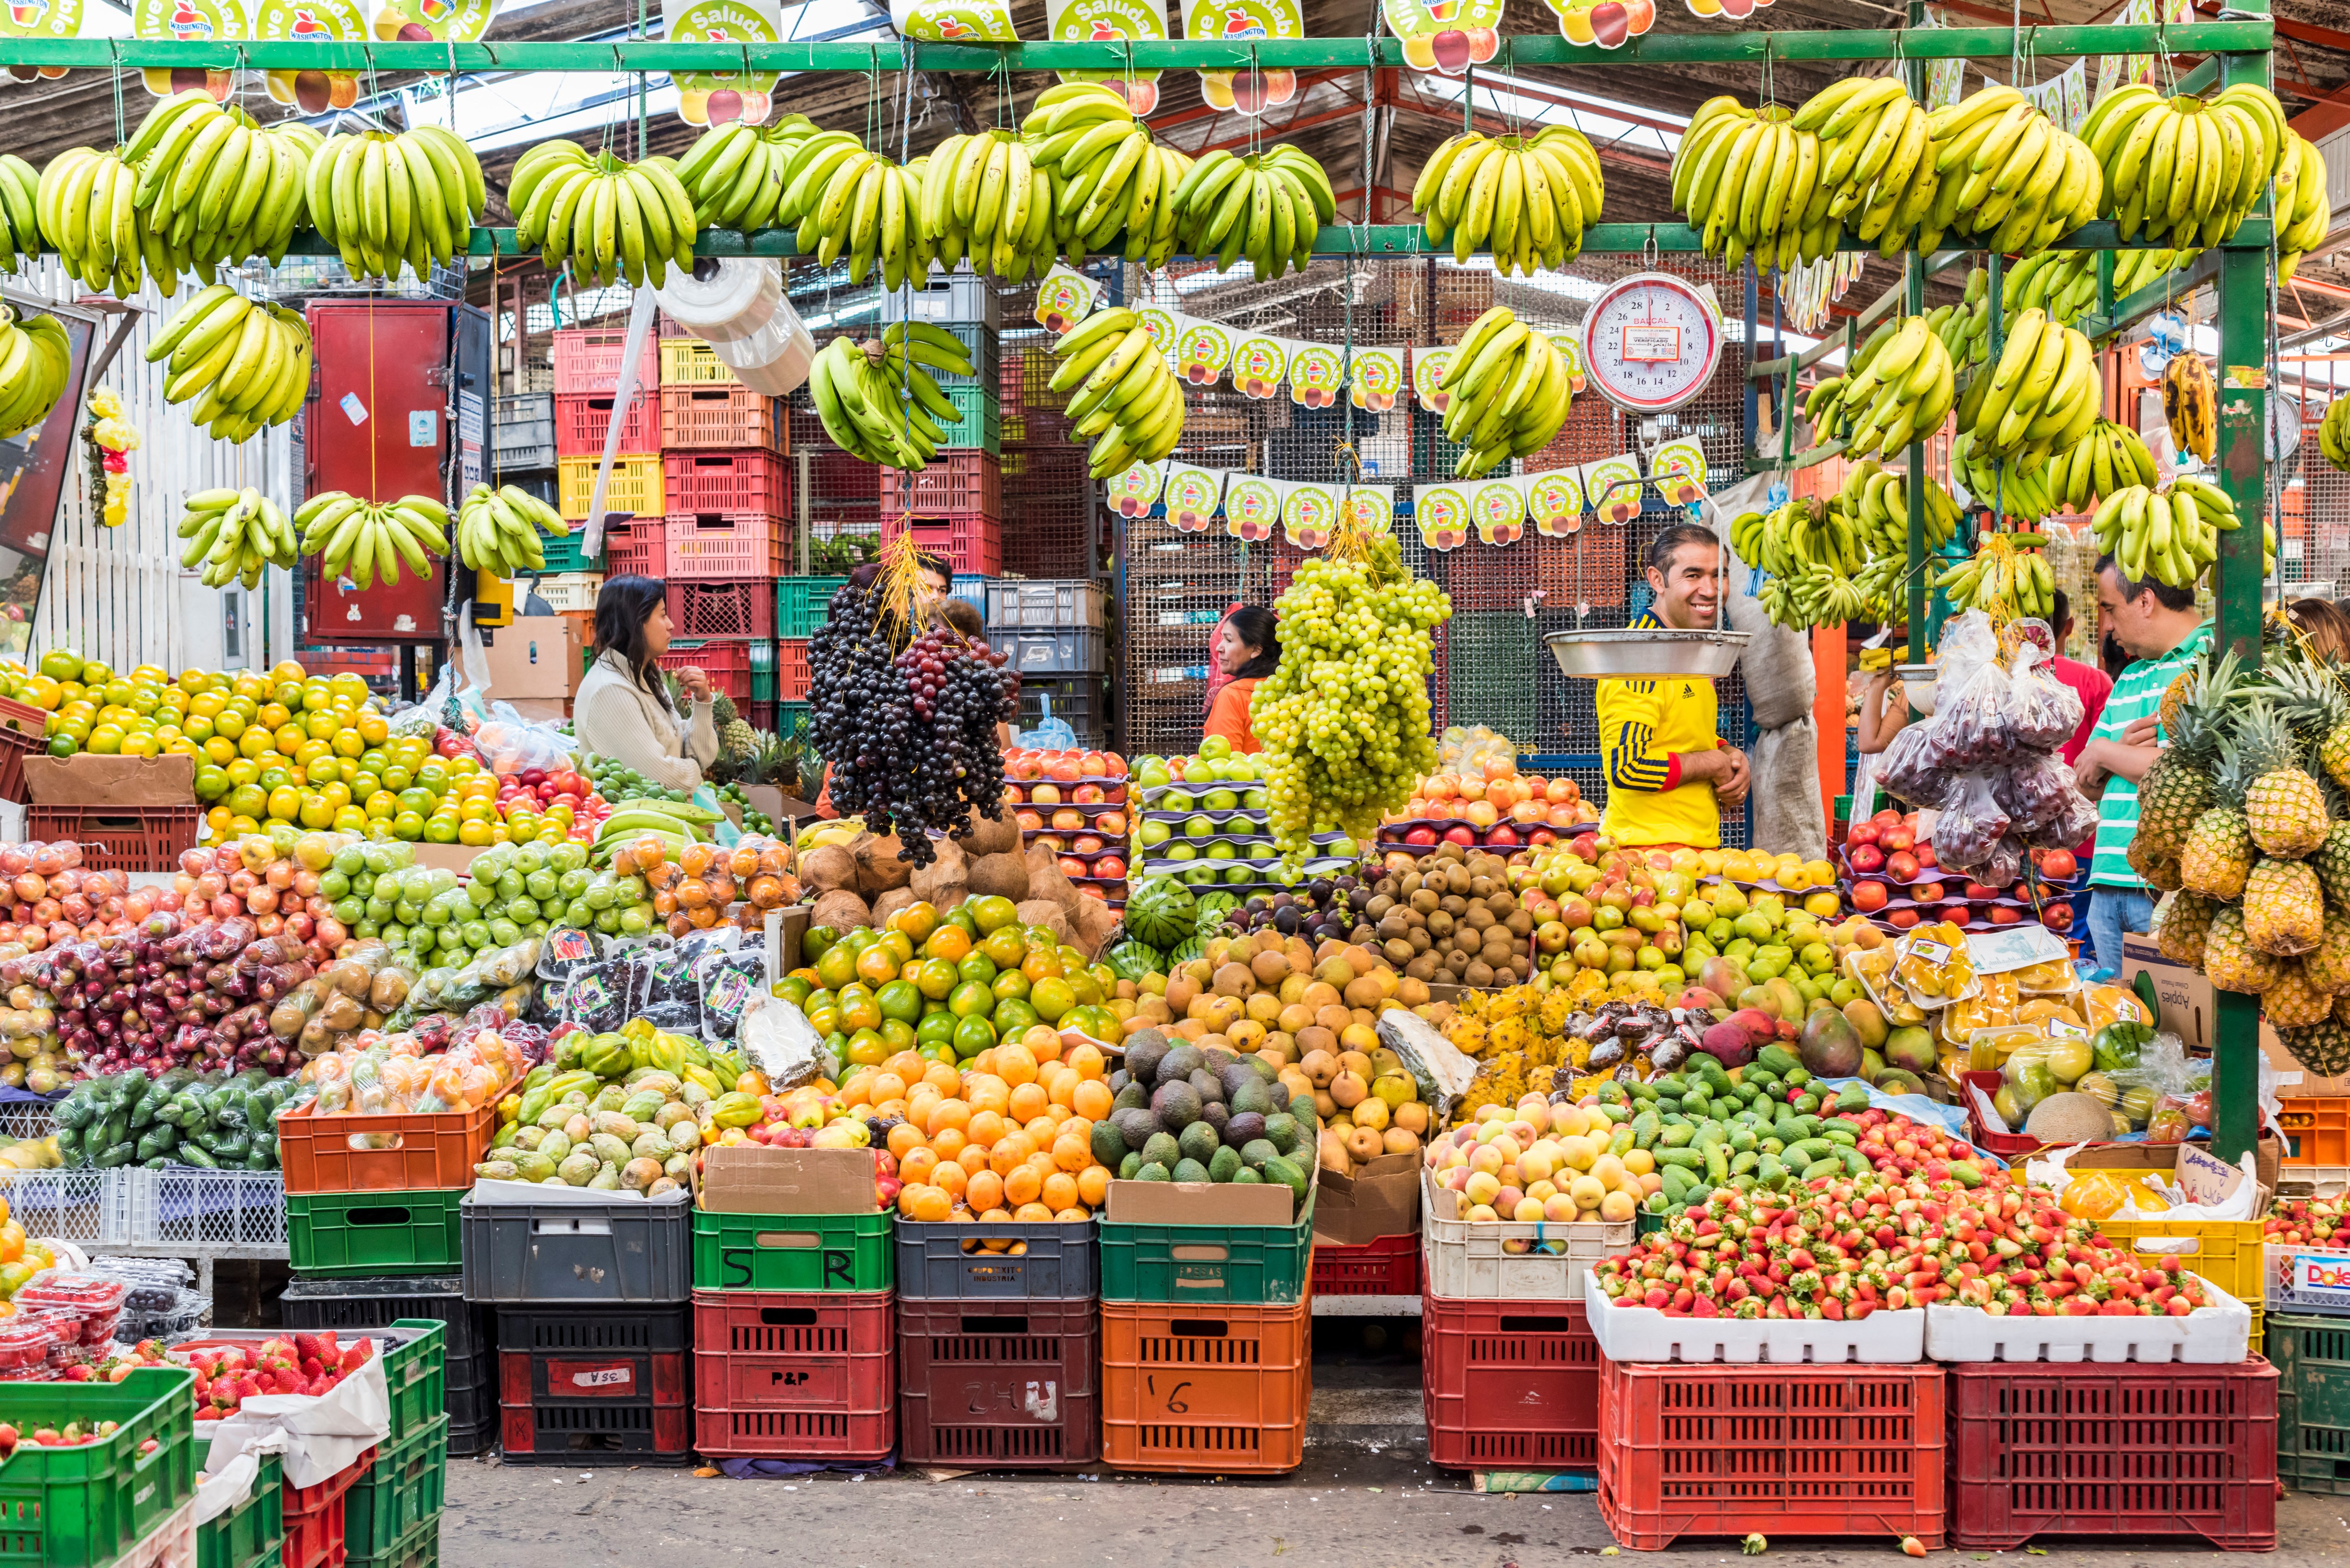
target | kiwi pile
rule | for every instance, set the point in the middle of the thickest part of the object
(1453, 920)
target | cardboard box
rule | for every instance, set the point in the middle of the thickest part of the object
(537, 656)
(2266, 1155)
(2293, 1081)
(90, 779)
(542, 709)
(1202, 1203)
(2184, 997)
(1381, 1198)
(748, 1178)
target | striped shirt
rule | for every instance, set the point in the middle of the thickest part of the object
(1645, 728)
(2137, 695)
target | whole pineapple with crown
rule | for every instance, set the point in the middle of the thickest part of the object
(2179, 788)
(2315, 703)
(2282, 804)
(2329, 962)
(2322, 1047)
(736, 739)
(2229, 960)
(2218, 852)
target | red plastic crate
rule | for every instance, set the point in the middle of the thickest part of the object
(145, 838)
(728, 665)
(419, 1151)
(1002, 1384)
(580, 419)
(1388, 1266)
(640, 549)
(2108, 1448)
(1714, 1450)
(2008, 1147)
(744, 607)
(14, 747)
(837, 476)
(314, 1517)
(1509, 1384)
(721, 417)
(1204, 1389)
(726, 481)
(792, 675)
(705, 545)
(968, 543)
(2316, 1131)
(954, 483)
(588, 360)
(800, 1374)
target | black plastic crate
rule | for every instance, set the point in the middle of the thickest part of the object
(628, 1250)
(1015, 1261)
(595, 1386)
(470, 1331)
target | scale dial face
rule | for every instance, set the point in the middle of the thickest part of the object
(1651, 342)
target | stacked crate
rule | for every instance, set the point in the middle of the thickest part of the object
(954, 507)
(373, 1195)
(469, 1338)
(1056, 636)
(107, 1500)
(522, 443)
(586, 385)
(592, 1300)
(728, 535)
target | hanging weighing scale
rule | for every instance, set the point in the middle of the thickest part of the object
(1651, 342)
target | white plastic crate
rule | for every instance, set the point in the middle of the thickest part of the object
(171, 1544)
(1468, 1261)
(2218, 1334)
(2305, 1280)
(89, 1208)
(1046, 606)
(183, 1208)
(564, 591)
(1644, 1334)
(23, 1119)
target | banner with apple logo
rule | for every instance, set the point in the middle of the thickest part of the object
(1315, 373)
(1237, 22)
(1137, 491)
(188, 22)
(953, 21)
(1443, 515)
(1260, 364)
(1613, 487)
(1192, 494)
(1555, 501)
(1251, 507)
(1378, 379)
(1498, 502)
(1202, 349)
(307, 20)
(1368, 508)
(1445, 36)
(1309, 512)
(1111, 22)
(1606, 23)
(715, 97)
(1428, 368)
(1677, 471)
(1065, 296)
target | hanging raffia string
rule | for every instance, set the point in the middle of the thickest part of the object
(900, 586)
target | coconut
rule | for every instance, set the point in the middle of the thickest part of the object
(842, 910)
(1047, 882)
(878, 869)
(942, 882)
(1092, 921)
(1051, 915)
(890, 902)
(828, 867)
(983, 836)
(998, 877)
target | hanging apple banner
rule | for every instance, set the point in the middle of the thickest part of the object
(1112, 22)
(1237, 22)
(1378, 379)
(1065, 296)
(717, 97)
(188, 22)
(1606, 23)
(1446, 35)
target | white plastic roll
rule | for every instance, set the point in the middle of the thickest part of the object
(736, 301)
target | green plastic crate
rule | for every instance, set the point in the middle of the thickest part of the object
(792, 1253)
(403, 1490)
(1235, 1265)
(2312, 1362)
(803, 604)
(247, 1533)
(85, 1506)
(762, 670)
(420, 1548)
(569, 553)
(981, 424)
(416, 1370)
(352, 1234)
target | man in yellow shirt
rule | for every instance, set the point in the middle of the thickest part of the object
(1670, 775)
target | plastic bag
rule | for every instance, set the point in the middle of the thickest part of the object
(510, 744)
(602, 996)
(728, 980)
(2038, 796)
(1971, 825)
(1908, 771)
(2042, 712)
(1970, 724)
(431, 713)
(1968, 644)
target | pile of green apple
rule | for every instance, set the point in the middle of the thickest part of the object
(1179, 793)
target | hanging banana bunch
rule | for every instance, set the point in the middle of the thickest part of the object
(2170, 534)
(611, 219)
(1529, 199)
(847, 202)
(1878, 500)
(215, 186)
(245, 362)
(1120, 391)
(2109, 458)
(505, 530)
(1900, 385)
(2010, 176)
(1511, 392)
(884, 418)
(1750, 180)
(2183, 167)
(35, 362)
(84, 206)
(983, 197)
(1876, 167)
(2305, 213)
(2333, 433)
(2002, 485)
(366, 541)
(20, 227)
(386, 200)
(734, 172)
(2062, 283)
(233, 534)
(2043, 395)
(2191, 405)
(1268, 209)
(2006, 575)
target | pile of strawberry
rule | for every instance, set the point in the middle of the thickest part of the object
(229, 1375)
(120, 1364)
(1843, 1248)
(2298, 1222)
(72, 1435)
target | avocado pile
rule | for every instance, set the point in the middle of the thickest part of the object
(1185, 1113)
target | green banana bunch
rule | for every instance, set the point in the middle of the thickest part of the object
(1815, 596)
(20, 225)
(1120, 391)
(1880, 583)
(84, 208)
(35, 361)
(886, 419)
(984, 197)
(2303, 208)
(1900, 384)
(2333, 433)
(2041, 396)
(1267, 209)
(2009, 176)
(384, 199)
(233, 534)
(1750, 180)
(1878, 500)
(245, 362)
(503, 531)
(847, 202)
(366, 541)
(2108, 458)
(1876, 163)
(1511, 391)
(1530, 199)
(2181, 166)
(2170, 534)
(2002, 484)
(2011, 576)
(1106, 175)
(611, 220)
(2064, 285)
(734, 172)
(922, 343)
(215, 186)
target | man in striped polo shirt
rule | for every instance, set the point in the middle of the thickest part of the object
(2157, 626)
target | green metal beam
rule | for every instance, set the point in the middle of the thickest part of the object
(1286, 53)
(2171, 288)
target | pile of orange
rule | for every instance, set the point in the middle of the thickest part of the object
(1008, 1137)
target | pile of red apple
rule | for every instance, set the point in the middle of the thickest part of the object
(1840, 1249)
(2298, 1221)
(1073, 803)
(1887, 859)
(227, 1374)
(544, 787)
(1489, 805)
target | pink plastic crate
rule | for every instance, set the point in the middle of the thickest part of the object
(727, 545)
(726, 481)
(640, 549)
(587, 360)
(969, 543)
(580, 419)
(742, 607)
(954, 483)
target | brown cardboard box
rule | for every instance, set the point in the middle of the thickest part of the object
(2165, 1157)
(1203, 1202)
(2185, 996)
(537, 656)
(542, 709)
(2293, 1081)
(746, 1178)
(90, 779)
(1381, 1198)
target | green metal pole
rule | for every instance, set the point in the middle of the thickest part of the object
(2236, 584)
(1913, 269)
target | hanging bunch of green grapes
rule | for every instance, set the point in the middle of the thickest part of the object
(1344, 719)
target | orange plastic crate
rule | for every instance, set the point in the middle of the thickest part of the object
(729, 418)
(1206, 1390)
(582, 417)
(792, 675)
(956, 483)
(726, 481)
(727, 545)
(434, 1151)
(2317, 1132)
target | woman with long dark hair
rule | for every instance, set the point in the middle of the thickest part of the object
(1248, 648)
(623, 711)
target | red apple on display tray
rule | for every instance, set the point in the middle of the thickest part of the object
(1087, 795)
(1088, 843)
(1028, 819)
(1901, 865)
(1045, 795)
(1112, 823)
(1422, 835)
(1901, 835)
(1925, 892)
(1465, 837)
(1860, 834)
(1541, 838)
(1073, 866)
(1902, 920)
(2058, 864)
(1866, 858)
(1068, 818)
(2004, 916)
(1926, 856)
(1956, 912)
(1109, 865)
(1977, 893)
(2057, 917)
(1868, 896)
(1502, 837)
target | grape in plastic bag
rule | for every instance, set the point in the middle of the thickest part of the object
(2037, 795)
(674, 1017)
(1970, 725)
(603, 995)
(728, 983)
(1971, 825)
(1908, 771)
(2042, 712)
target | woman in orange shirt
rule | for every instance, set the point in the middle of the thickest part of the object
(1248, 648)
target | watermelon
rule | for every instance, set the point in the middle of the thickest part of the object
(1160, 910)
(1214, 908)
(1189, 949)
(1132, 959)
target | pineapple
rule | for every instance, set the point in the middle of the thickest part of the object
(2313, 703)
(2282, 804)
(2322, 1047)
(2284, 912)
(2181, 921)
(721, 710)
(2230, 960)
(2155, 869)
(737, 738)
(2178, 789)
(2329, 964)
(2296, 1001)
(2330, 861)
(2218, 855)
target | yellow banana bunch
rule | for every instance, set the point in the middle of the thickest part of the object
(2191, 405)
(1900, 384)
(847, 202)
(504, 529)
(611, 219)
(734, 172)
(2002, 485)
(2107, 459)
(20, 227)
(2180, 166)
(211, 184)
(84, 207)
(2007, 574)
(2168, 535)
(1813, 597)
(1267, 208)
(2009, 176)
(36, 358)
(2333, 433)
(366, 541)
(2041, 395)
(983, 197)
(2304, 213)
(1120, 391)
(1750, 180)
(884, 418)
(1511, 391)
(245, 362)
(1878, 501)
(1876, 161)
(1108, 176)
(384, 199)
(233, 534)
(1529, 199)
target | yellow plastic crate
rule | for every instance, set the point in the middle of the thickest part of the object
(2230, 1253)
(690, 362)
(636, 485)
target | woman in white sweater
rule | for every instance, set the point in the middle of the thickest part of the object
(623, 712)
